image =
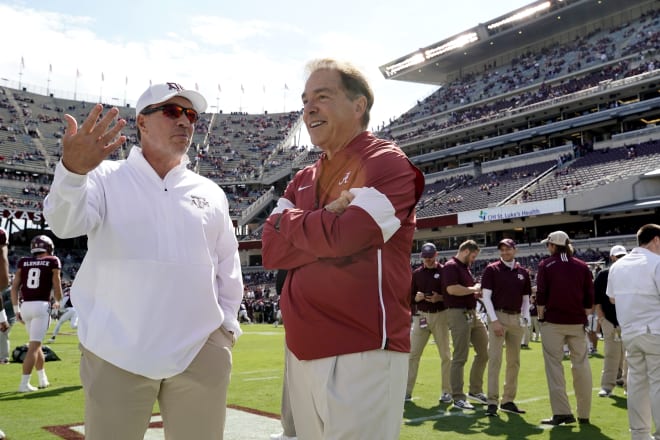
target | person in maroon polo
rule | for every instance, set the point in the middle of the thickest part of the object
(429, 317)
(565, 296)
(460, 297)
(506, 288)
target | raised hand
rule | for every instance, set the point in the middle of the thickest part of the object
(85, 147)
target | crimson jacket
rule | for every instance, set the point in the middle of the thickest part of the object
(349, 275)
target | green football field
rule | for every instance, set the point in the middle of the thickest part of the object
(257, 381)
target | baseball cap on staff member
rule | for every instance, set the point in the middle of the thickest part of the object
(560, 238)
(158, 93)
(618, 251)
(507, 242)
(428, 250)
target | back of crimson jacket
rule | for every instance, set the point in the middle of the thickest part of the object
(349, 275)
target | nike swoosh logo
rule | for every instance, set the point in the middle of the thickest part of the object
(300, 188)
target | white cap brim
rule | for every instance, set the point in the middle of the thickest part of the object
(160, 93)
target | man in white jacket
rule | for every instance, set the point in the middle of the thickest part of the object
(633, 285)
(159, 289)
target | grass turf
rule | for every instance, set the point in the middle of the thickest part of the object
(257, 382)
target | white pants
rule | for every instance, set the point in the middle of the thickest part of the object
(36, 316)
(356, 396)
(643, 355)
(70, 315)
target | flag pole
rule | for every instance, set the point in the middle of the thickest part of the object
(20, 73)
(50, 70)
(75, 86)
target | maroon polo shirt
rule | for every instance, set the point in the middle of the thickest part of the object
(508, 285)
(427, 280)
(565, 287)
(456, 272)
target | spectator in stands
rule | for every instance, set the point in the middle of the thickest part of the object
(340, 222)
(506, 288)
(634, 286)
(460, 296)
(429, 318)
(565, 296)
(155, 229)
(614, 356)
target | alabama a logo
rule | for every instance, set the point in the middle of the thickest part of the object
(344, 180)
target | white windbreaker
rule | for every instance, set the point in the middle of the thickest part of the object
(162, 270)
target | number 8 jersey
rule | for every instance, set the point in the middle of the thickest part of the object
(37, 276)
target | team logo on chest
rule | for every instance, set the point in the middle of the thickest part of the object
(344, 180)
(199, 202)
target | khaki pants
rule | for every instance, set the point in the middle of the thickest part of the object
(353, 396)
(554, 336)
(614, 359)
(286, 418)
(464, 332)
(643, 354)
(118, 404)
(436, 326)
(512, 338)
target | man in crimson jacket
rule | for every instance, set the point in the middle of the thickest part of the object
(344, 231)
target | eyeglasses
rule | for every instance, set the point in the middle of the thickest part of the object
(174, 111)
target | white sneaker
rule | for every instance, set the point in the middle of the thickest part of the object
(446, 398)
(2, 435)
(463, 404)
(26, 388)
(479, 397)
(44, 384)
(51, 340)
(281, 436)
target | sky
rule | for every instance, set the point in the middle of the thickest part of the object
(242, 55)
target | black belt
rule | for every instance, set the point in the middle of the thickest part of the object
(510, 312)
(424, 311)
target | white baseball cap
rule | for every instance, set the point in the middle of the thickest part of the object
(162, 92)
(617, 251)
(558, 237)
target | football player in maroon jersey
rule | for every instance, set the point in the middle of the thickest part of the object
(36, 277)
